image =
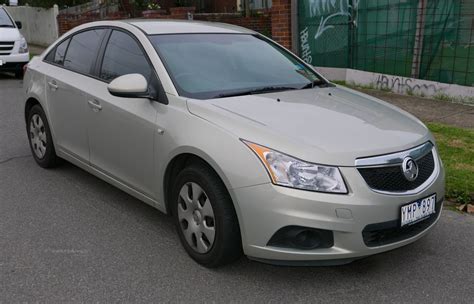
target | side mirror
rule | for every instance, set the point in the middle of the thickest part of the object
(130, 85)
(18, 24)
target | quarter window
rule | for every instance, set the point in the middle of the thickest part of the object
(123, 56)
(82, 51)
(60, 52)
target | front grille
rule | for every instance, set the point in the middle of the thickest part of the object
(391, 178)
(6, 47)
(390, 232)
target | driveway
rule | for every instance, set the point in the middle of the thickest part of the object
(67, 236)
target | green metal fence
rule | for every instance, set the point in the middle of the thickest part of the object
(427, 39)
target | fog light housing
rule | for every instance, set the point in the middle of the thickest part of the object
(303, 238)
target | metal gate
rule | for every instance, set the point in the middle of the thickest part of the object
(325, 31)
(427, 39)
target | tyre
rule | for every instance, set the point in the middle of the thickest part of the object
(39, 136)
(19, 74)
(205, 217)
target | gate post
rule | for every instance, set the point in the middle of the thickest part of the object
(294, 27)
(418, 45)
(281, 22)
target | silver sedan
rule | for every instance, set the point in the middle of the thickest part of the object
(244, 144)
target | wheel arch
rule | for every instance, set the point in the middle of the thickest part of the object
(183, 159)
(30, 102)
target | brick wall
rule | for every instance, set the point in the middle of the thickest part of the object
(224, 6)
(281, 22)
(215, 6)
(174, 13)
(276, 23)
(67, 22)
(261, 24)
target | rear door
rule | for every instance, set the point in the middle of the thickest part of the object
(121, 130)
(68, 80)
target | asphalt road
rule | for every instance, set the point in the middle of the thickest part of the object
(66, 236)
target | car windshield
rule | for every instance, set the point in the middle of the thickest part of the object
(5, 20)
(205, 66)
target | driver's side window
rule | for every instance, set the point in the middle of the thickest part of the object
(123, 56)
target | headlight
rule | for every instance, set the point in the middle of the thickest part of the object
(288, 171)
(23, 46)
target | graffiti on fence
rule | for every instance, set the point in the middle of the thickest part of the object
(305, 52)
(332, 9)
(402, 85)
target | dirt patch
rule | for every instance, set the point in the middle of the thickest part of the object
(456, 143)
(464, 166)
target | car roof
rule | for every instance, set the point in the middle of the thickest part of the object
(154, 27)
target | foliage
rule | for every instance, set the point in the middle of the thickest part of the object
(153, 5)
(182, 3)
(459, 99)
(456, 148)
(141, 5)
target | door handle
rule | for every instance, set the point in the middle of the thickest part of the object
(95, 105)
(53, 85)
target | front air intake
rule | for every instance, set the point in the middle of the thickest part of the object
(303, 238)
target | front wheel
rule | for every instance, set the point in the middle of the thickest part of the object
(205, 217)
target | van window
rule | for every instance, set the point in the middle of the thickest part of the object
(5, 20)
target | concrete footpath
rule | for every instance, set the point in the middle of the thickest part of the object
(429, 110)
(36, 49)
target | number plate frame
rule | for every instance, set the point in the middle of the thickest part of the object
(425, 202)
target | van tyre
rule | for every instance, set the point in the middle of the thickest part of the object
(205, 217)
(40, 139)
(19, 74)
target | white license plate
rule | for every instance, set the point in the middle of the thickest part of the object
(418, 210)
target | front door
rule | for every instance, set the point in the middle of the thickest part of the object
(121, 130)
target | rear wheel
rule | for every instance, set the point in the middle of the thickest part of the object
(205, 217)
(39, 135)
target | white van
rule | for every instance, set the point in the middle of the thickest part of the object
(13, 47)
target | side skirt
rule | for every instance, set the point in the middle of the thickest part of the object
(107, 178)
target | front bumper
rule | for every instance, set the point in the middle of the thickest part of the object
(264, 209)
(14, 62)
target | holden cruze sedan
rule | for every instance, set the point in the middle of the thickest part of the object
(245, 145)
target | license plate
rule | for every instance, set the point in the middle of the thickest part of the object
(418, 210)
(1, 62)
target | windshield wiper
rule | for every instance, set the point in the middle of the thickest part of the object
(256, 91)
(6, 25)
(316, 83)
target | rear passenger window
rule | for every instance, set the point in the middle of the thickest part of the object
(82, 51)
(123, 56)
